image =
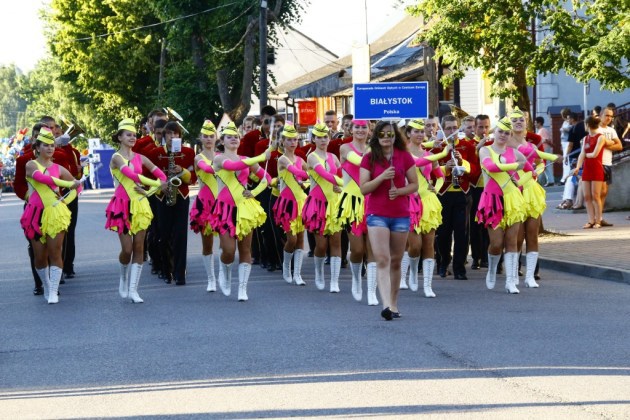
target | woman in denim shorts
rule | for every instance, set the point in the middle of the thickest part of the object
(388, 174)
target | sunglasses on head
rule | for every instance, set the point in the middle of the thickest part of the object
(388, 134)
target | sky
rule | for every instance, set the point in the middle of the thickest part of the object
(335, 24)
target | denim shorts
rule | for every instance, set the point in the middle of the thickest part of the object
(394, 224)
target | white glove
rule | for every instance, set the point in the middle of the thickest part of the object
(63, 140)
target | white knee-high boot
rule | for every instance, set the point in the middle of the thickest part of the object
(335, 269)
(357, 290)
(123, 285)
(372, 300)
(428, 264)
(511, 271)
(208, 263)
(54, 279)
(491, 277)
(298, 255)
(413, 273)
(320, 281)
(134, 281)
(286, 267)
(531, 259)
(43, 275)
(243, 277)
(404, 265)
(225, 278)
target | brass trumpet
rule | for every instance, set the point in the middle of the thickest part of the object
(71, 128)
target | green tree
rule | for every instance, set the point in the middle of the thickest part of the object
(12, 105)
(587, 39)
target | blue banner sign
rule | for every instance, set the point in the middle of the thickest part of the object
(389, 101)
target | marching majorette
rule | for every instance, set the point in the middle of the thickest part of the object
(288, 208)
(204, 202)
(319, 214)
(352, 211)
(236, 212)
(502, 207)
(129, 212)
(424, 207)
(46, 216)
(533, 193)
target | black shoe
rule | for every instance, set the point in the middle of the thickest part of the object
(180, 282)
(168, 278)
(327, 261)
(443, 272)
(461, 277)
(38, 290)
(387, 314)
(475, 265)
(271, 268)
(520, 272)
(69, 275)
(484, 264)
(310, 254)
(263, 264)
(154, 271)
(344, 263)
(396, 315)
(536, 277)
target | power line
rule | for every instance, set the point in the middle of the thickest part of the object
(88, 38)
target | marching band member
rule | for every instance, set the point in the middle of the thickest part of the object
(319, 214)
(502, 207)
(533, 193)
(46, 216)
(352, 210)
(425, 208)
(388, 174)
(202, 206)
(287, 210)
(236, 212)
(129, 212)
(175, 202)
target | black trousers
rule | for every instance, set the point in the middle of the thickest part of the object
(479, 240)
(454, 231)
(272, 235)
(153, 236)
(69, 250)
(173, 242)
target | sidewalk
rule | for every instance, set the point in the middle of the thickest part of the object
(601, 253)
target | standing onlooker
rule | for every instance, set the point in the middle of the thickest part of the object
(388, 174)
(564, 141)
(612, 144)
(593, 174)
(548, 148)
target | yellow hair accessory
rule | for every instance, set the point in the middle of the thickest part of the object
(320, 130)
(229, 130)
(505, 124)
(208, 128)
(417, 124)
(516, 113)
(46, 136)
(289, 131)
(127, 124)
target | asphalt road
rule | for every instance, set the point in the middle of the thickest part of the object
(559, 351)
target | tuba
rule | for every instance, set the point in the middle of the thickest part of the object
(174, 116)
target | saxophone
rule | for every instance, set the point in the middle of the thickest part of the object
(173, 181)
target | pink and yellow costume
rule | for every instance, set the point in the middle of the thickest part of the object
(232, 212)
(425, 209)
(128, 211)
(288, 208)
(44, 215)
(501, 204)
(320, 216)
(351, 207)
(201, 209)
(533, 193)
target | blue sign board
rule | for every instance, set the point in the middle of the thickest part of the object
(391, 101)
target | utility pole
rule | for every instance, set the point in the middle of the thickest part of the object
(263, 53)
(161, 75)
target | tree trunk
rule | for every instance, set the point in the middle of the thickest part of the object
(196, 46)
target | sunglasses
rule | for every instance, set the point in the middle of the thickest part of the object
(388, 134)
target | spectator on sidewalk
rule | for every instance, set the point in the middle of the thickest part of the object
(564, 142)
(593, 175)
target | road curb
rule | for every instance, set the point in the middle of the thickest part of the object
(587, 270)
